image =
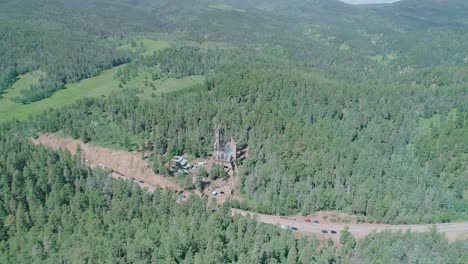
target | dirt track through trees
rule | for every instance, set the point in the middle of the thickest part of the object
(126, 163)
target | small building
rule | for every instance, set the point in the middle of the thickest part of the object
(177, 159)
(180, 163)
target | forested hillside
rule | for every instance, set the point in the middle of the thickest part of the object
(338, 40)
(359, 109)
(314, 145)
(390, 148)
(63, 56)
(53, 209)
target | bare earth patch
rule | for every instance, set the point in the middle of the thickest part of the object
(333, 217)
(128, 164)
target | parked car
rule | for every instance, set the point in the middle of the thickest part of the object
(316, 221)
(308, 220)
(141, 181)
(333, 232)
(324, 231)
(294, 228)
(284, 227)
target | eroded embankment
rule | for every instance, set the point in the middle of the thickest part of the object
(128, 164)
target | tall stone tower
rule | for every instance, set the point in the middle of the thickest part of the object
(233, 149)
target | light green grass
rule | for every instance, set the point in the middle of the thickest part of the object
(149, 88)
(385, 60)
(150, 46)
(377, 58)
(98, 86)
(173, 85)
(92, 87)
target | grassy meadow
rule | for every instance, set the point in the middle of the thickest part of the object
(101, 85)
(149, 46)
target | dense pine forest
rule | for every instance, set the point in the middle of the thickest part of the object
(63, 57)
(358, 109)
(55, 210)
(314, 144)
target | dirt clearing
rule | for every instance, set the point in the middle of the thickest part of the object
(127, 164)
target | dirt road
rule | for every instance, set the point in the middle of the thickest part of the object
(453, 231)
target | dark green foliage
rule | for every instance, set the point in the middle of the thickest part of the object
(184, 180)
(314, 145)
(64, 56)
(396, 248)
(323, 36)
(359, 109)
(53, 209)
(7, 79)
(217, 171)
(35, 93)
(201, 173)
(347, 239)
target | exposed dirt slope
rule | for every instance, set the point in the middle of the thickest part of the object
(127, 163)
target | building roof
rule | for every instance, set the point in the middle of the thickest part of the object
(177, 159)
(222, 155)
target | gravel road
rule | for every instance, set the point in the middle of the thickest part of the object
(453, 231)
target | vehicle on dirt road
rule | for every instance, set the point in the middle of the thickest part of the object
(333, 232)
(308, 220)
(324, 232)
(316, 221)
(294, 228)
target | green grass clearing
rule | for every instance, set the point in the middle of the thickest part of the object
(101, 85)
(377, 58)
(93, 87)
(385, 60)
(149, 46)
(167, 85)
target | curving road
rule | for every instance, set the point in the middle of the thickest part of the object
(453, 231)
